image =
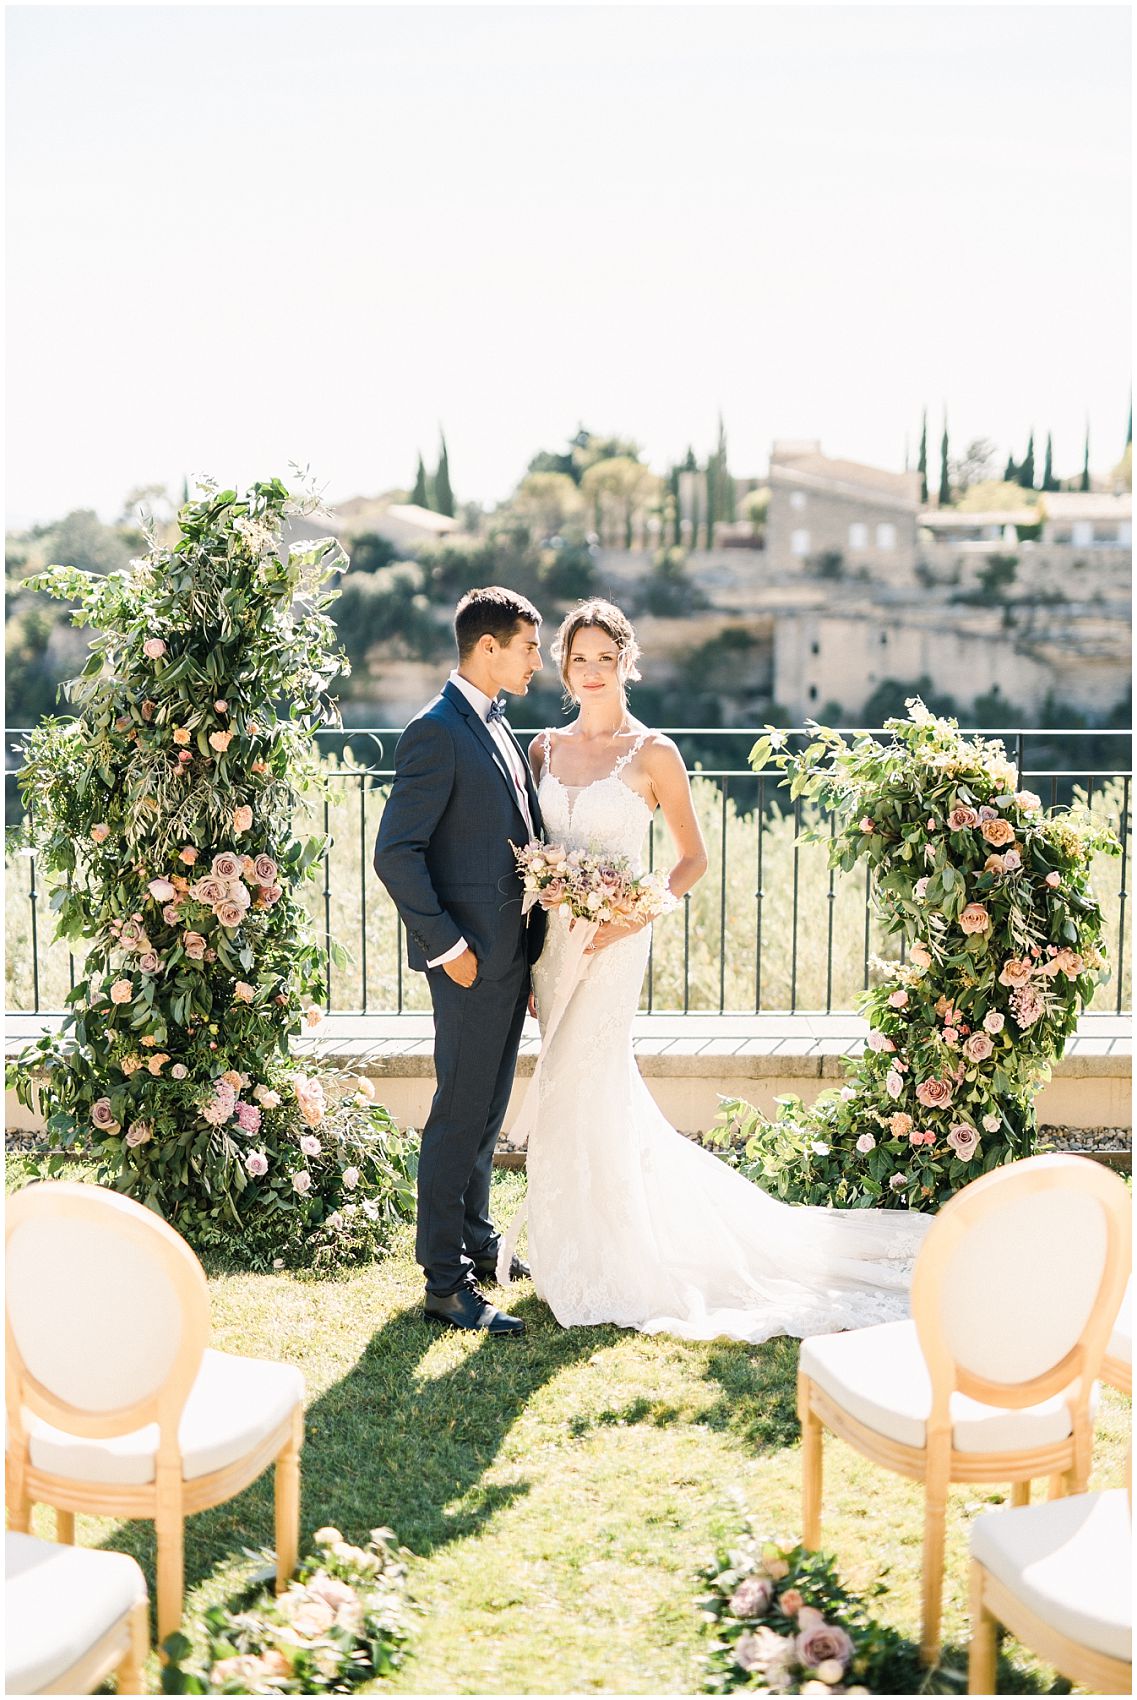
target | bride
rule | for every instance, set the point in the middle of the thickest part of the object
(630, 1222)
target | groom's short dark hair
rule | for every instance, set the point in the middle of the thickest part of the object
(492, 611)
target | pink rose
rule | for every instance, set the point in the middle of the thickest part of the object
(865, 1144)
(1053, 879)
(162, 891)
(272, 894)
(267, 1098)
(139, 1133)
(351, 1179)
(149, 962)
(101, 832)
(220, 706)
(752, 1597)
(1016, 972)
(920, 890)
(934, 1094)
(1012, 862)
(867, 825)
(824, 1641)
(153, 649)
(951, 1036)
(974, 919)
(122, 991)
(242, 818)
(194, 946)
(229, 913)
(791, 1601)
(1028, 801)
(102, 1116)
(310, 1097)
(310, 1145)
(964, 1140)
(978, 1048)
(301, 1182)
(992, 1123)
(171, 914)
(880, 1042)
(998, 832)
(265, 870)
(993, 1021)
(898, 999)
(962, 818)
(894, 1083)
(256, 1164)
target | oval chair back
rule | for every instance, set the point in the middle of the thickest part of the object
(1018, 1284)
(107, 1314)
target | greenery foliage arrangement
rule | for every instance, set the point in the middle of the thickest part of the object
(1003, 947)
(780, 1622)
(166, 805)
(342, 1623)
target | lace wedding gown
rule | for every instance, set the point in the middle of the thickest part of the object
(630, 1222)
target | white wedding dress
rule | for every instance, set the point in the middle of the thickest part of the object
(630, 1222)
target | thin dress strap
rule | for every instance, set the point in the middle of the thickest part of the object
(632, 753)
(547, 750)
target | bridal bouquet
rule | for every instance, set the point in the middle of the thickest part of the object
(584, 887)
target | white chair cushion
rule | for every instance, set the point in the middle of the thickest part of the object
(1121, 1340)
(233, 1404)
(59, 1602)
(879, 1376)
(1070, 1562)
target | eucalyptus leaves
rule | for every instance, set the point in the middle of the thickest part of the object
(166, 807)
(991, 897)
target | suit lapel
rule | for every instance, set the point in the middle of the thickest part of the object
(481, 732)
(530, 788)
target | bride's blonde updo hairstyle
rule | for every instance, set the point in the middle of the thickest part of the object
(601, 616)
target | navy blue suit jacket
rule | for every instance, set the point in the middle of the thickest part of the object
(443, 849)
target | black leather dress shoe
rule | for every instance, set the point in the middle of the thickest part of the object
(518, 1271)
(467, 1308)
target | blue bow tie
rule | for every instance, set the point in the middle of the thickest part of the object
(496, 711)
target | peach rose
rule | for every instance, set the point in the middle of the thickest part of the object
(920, 957)
(899, 1124)
(101, 832)
(242, 818)
(974, 919)
(182, 735)
(122, 991)
(243, 992)
(153, 649)
(1016, 972)
(220, 741)
(1028, 801)
(188, 855)
(998, 832)
(157, 1062)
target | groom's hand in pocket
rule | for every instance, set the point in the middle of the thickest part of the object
(463, 970)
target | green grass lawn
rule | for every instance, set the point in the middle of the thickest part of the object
(557, 1493)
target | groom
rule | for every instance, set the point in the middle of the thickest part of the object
(462, 791)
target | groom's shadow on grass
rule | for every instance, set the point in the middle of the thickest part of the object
(393, 1445)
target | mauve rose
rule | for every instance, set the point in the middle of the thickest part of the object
(1016, 972)
(934, 1094)
(132, 935)
(964, 1140)
(998, 832)
(171, 914)
(897, 1183)
(752, 1597)
(209, 889)
(139, 1133)
(763, 1650)
(978, 1048)
(122, 991)
(974, 919)
(986, 812)
(149, 962)
(102, 1116)
(226, 865)
(153, 649)
(242, 818)
(961, 818)
(893, 1084)
(865, 1144)
(229, 913)
(194, 946)
(993, 1021)
(272, 894)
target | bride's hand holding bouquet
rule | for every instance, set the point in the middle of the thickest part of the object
(599, 890)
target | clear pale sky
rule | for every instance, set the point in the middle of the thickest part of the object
(244, 235)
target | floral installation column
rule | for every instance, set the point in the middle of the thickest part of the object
(166, 806)
(991, 896)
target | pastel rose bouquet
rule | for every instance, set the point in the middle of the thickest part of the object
(582, 885)
(343, 1622)
(779, 1621)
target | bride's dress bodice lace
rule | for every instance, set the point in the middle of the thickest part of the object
(630, 1222)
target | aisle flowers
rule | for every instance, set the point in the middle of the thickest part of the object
(990, 896)
(343, 1622)
(164, 810)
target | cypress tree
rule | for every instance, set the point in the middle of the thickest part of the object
(443, 494)
(922, 463)
(945, 474)
(420, 496)
(1086, 463)
(1011, 475)
(673, 486)
(1049, 482)
(1129, 427)
(723, 481)
(712, 499)
(1026, 470)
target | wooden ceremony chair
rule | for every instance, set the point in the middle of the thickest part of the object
(72, 1619)
(116, 1405)
(1060, 1578)
(1015, 1291)
(1117, 1365)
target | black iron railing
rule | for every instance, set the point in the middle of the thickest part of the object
(771, 928)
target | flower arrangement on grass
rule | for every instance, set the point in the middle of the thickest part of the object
(342, 1623)
(990, 894)
(165, 809)
(780, 1622)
